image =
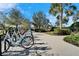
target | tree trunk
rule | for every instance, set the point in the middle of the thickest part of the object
(61, 16)
(38, 28)
(60, 23)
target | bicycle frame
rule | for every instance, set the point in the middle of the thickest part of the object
(19, 38)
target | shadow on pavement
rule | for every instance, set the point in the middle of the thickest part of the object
(38, 46)
(17, 53)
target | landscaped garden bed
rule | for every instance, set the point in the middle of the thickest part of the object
(73, 39)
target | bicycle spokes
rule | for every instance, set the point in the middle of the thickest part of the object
(27, 43)
(17, 39)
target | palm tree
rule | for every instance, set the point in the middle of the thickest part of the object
(58, 9)
(75, 19)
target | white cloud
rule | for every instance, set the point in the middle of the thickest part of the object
(51, 18)
(4, 6)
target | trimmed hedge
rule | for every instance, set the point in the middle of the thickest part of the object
(58, 31)
(73, 39)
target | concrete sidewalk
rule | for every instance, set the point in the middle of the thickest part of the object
(45, 45)
(58, 45)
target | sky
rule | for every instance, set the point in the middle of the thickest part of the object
(28, 9)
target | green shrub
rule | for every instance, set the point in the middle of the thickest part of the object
(37, 30)
(58, 31)
(43, 30)
(73, 39)
(52, 29)
(40, 30)
(74, 27)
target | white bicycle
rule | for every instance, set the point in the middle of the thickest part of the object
(17, 39)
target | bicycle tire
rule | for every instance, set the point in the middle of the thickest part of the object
(29, 45)
(8, 46)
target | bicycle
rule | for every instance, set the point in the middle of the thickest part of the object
(17, 39)
(5, 44)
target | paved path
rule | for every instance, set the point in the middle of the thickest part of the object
(46, 45)
(58, 46)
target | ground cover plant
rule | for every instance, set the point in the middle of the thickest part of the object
(73, 39)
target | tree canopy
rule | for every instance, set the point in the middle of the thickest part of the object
(40, 21)
(62, 11)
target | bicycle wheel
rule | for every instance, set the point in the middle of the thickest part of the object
(5, 46)
(27, 42)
